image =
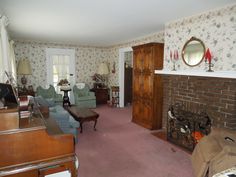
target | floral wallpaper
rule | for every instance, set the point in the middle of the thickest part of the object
(217, 30)
(87, 60)
(113, 52)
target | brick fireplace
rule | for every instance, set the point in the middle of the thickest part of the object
(215, 96)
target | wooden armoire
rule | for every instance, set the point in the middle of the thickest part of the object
(147, 86)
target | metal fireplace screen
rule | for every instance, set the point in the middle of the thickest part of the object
(185, 128)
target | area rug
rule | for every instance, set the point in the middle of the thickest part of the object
(160, 134)
(120, 148)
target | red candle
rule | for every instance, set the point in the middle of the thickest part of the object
(177, 55)
(208, 55)
(171, 55)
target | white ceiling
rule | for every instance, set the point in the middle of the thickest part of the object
(96, 22)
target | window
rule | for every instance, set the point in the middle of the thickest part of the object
(60, 65)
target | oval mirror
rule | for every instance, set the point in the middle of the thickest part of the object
(193, 52)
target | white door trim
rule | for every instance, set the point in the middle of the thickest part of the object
(121, 72)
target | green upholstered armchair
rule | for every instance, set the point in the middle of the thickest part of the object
(84, 97)
(49, 93)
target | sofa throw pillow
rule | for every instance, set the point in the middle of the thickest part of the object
(80, 85)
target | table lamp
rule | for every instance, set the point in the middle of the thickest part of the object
(24, 68)
(103, 71)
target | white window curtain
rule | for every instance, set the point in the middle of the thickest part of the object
(12, 59)
(1, 59)
(7, 56)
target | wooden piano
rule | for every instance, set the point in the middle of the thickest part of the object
(35, 146)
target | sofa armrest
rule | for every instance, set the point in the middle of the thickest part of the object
(74, 123)
(91, 94)
(57, 95)
(62, 119)
(86, 98)
(58, 98)
(204, 151)
(73, 131)
(215, 151)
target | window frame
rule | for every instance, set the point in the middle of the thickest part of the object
(58, 51)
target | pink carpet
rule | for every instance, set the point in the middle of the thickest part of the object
(120, 148)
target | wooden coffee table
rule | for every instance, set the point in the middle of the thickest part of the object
(83, 115)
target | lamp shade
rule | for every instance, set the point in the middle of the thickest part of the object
(103, 69)
(24, 67)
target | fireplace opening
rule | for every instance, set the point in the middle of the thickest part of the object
(186, 128)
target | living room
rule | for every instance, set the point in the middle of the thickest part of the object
(103, 33)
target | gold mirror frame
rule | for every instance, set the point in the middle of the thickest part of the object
(186, 44)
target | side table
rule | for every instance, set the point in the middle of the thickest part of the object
(66, 99)
(115, 96)
(101, 94)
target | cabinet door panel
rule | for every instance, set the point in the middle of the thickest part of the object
(137, 110)
(137, 85)
(147, 112)
(138, 60)
(148, 60)
(148, 86)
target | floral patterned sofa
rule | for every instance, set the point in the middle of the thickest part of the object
(64, 120)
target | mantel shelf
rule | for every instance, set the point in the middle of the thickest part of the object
(220, 74)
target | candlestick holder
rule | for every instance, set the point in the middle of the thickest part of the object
(210, 65)
(174, 59)
(173, 69)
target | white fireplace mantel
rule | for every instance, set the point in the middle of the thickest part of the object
(220, 74)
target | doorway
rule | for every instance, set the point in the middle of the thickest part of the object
(128, 78)
(125, 84)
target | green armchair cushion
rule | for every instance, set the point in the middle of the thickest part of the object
(84, 97)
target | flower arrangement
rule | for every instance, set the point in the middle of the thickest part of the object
(98, 78)
(63, 82)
